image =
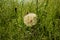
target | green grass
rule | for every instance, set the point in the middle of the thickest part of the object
(12, 26)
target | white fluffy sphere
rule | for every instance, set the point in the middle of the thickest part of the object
(30, 19)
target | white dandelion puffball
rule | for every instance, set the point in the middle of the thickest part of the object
(30, 19)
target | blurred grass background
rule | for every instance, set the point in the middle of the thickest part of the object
(11, 20)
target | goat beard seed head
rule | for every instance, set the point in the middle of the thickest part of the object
(30, 19)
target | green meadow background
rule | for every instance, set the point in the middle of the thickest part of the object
(12, 26)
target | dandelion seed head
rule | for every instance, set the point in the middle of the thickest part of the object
(30, 19)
